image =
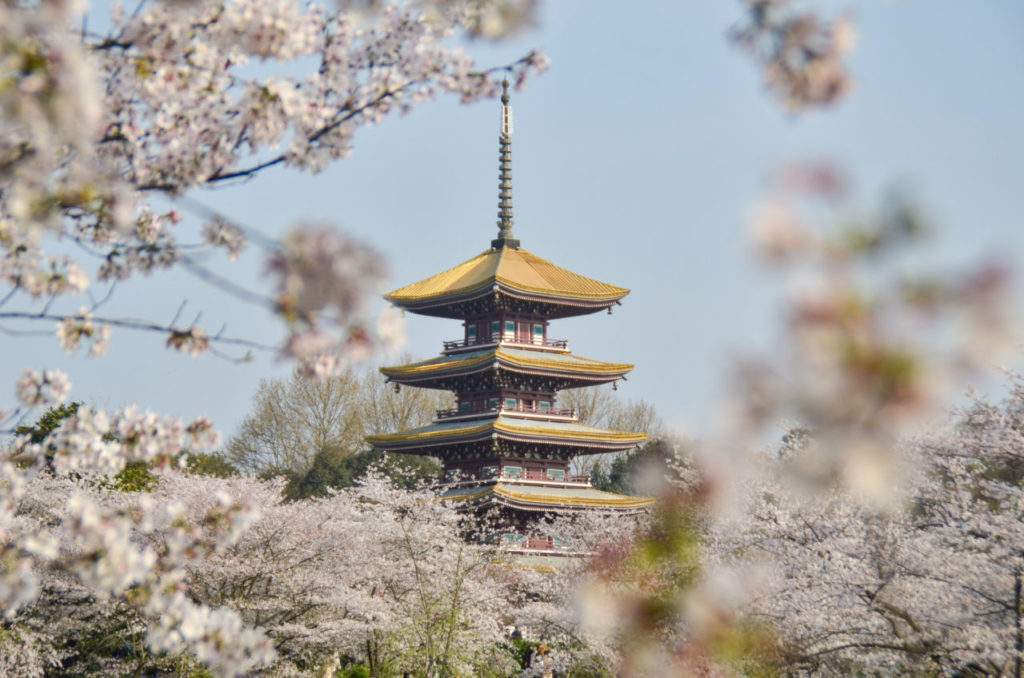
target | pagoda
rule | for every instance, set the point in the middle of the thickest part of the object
(507, 443)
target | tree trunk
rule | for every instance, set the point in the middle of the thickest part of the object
(1019, 621)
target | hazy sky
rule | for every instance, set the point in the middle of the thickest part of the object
(635, 160)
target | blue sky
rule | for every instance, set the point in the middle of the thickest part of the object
(635, 160)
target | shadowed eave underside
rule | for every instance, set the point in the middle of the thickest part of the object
(573, 434)
(516, 360)
(514, 272)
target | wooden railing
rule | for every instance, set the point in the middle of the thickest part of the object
(531, 474)
(553, 412)
(461, 478)
(479, 341)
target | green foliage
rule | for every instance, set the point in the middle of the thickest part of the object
(521, 649)
(210, 464)
(334, 469)
(134, 477)
(749, 649)
(48, 421)
(353, 671)
(590, 667)
(625, 474)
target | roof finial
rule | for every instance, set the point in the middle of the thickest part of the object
(505, 222)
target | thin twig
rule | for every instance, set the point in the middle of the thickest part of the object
(225, 284)
(127, 324)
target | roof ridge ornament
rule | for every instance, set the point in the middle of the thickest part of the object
(505, 221)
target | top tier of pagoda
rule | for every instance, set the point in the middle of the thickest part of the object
(506, 280)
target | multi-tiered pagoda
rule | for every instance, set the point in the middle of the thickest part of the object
(507, 442)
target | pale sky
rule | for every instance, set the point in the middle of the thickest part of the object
(635, 160)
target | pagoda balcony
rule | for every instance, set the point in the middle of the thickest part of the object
(542, 476)
(523, 477)
(563, 414)
(459, 345)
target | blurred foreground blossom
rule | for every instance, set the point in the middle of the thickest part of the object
(801, 56)
(870, 347)
(40, 389)
(72, 332)
(323, 279)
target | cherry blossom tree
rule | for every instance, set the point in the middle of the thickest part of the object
(932, 587)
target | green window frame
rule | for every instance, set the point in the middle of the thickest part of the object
(510, 328)
(538, 333)
(465, 406)
(492, 403)
(495, 330)
(544, 406)
(471, 333)
(556, 474)
(512, 471)
(511, 403)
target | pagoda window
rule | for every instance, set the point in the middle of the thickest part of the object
(513, 471)
(470, 334)
(556, 474)
(495, 330)
(511, 403)
(544, 406)
(510, 330)
(489, 471)
(465, 406)
(492, 403)
(538, 333)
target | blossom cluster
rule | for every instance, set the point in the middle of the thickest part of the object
(801, 55)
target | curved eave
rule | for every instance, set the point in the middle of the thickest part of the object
(505, 428)
(453, 305)
(441, 370)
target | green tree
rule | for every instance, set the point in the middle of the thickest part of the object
(602, 407)
(331, 470)
(640, 472)
(211, 464)
(48, 421)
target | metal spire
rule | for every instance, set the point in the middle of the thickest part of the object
(505, 222)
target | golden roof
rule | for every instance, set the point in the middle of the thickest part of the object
(514, 270)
